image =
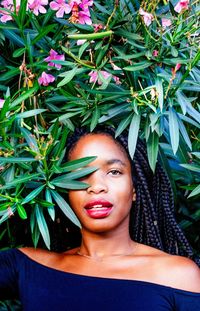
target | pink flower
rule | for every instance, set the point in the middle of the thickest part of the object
(147, 17)
(61, 7)
(117, 80)
(175, 69)
(181, 6)
(80, 11)
(8, 5)
(37, 6)
(53, 55)
(45, 79)
(5, 17)
(81, 41)
(97, 27)
(155, 53)
(166, 22)
(1, 102)
(84, 4)
(94, 76)
(84, 18)
(115, 67)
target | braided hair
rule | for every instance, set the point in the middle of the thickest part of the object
(152, 220)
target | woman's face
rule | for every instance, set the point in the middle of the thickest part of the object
(106, 204)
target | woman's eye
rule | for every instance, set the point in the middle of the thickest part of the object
(115, 172)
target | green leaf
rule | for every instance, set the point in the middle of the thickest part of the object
(24, 96)
(152, 149)
(114, 112)
(22, 12)
(16, 160)
(138, 66)
(43, 33)
(20, 180)
(64, 206)
(184, 133)
(21, 211)
(50, 209)
(123, 125)
(133, 134)
(191, 167)
(95, 118)
(69, 76)
(71, 184)
(13, 37)
(19, 52)
(30, 113)
(76, 174)
(196, 154)
(32, 195)
(9, 74)
(173, 129)
(75, 164)
(34, 229)
(62, 142)
(30, 139)
(42, 225)
(159, 89)
(196, 191)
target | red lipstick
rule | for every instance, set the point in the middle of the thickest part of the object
(98, 208)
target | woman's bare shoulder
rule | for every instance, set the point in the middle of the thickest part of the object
(184, 272)
(172, 270)
(39, 255)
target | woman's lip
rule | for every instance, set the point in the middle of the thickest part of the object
(98, 213)
(98, 204)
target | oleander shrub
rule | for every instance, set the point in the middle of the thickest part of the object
(132, 64)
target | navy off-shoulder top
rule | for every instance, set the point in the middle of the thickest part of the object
(41, 288)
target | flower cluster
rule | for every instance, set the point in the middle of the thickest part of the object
(180, 7)
(11, 6)
(102, 76)
(79, 9)
(46, 78)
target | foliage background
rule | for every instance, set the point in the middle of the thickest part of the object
(137, 68)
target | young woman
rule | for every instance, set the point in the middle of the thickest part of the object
(124, 207)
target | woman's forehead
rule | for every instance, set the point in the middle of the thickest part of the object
(101, 145)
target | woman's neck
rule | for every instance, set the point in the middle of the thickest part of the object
(101, 245)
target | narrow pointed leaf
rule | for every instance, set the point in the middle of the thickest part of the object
(50, 209)
(173, 129)
(29, 113)
(71, 184)
(42, 225)
(75, 175)
(16, 160)
(21, 211)
(194, 192)
(23, 97)
(133, 134)
(123, 125)
(159, 89)
(69, 76)
(152, 149)
(33, 194)
(30, 139)
(64, 206)
(76, 164)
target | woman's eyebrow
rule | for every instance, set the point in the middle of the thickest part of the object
(115, 161)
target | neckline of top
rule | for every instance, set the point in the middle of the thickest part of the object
(147, 283)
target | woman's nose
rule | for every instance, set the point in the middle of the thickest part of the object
(97, 184)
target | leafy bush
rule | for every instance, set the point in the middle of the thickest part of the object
(129, 63)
